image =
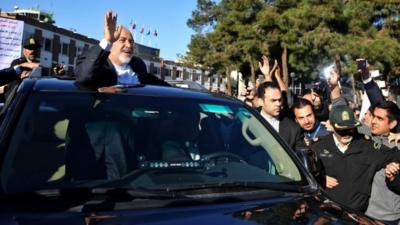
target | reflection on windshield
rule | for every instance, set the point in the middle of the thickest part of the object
(147, 142)
(305, 211)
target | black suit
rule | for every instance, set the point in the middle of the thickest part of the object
(8, 75)
(94, 68)
(291, 133)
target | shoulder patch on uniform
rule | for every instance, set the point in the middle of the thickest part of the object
(377, 145)
(326, 153)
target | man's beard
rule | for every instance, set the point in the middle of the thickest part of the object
(124, 59)
(31, 58)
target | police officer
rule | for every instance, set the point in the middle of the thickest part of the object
(30, 54)
(348, 161)
(31, 51)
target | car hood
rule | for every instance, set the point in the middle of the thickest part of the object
(278, 210)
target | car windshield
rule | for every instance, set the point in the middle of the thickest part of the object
(71, 139)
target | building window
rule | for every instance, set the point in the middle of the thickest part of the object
(47, 45)
(64, 49)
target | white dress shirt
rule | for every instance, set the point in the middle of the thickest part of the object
(271, 120)
(126, 76)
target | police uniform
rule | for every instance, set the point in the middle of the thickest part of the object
(354, 168)
(30, 43)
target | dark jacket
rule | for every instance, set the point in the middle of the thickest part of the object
(291, 133)
(94, 68)
(8, 75)
(12, 84)
(394, 185)
(354, 169)
(374, 93)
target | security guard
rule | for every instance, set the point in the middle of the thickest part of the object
(348, 161)
(30, 51)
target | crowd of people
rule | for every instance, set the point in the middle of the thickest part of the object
(357, 161)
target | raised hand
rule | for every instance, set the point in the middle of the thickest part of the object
(111, 30)
(333, 78)
(264, 67)
(277, 68)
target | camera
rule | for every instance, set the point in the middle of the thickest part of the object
(361, 64)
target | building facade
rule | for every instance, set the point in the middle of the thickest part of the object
(62, 46)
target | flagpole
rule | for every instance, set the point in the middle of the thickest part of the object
(155, 38)
(141, 34)
(149, 41)
(134, 32)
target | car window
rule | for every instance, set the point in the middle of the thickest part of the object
(64, 140)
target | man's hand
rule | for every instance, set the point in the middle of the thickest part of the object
(394, 138)
(334, 78)
(264, 67)
(29, 65)
(58, 69)
(111, 89)
(391, 170)
(331, 182)
(327, 125)
(111, 30)
(364, 71)
(277, 70)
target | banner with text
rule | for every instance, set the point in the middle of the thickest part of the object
(10, 41)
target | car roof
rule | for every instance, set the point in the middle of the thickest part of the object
(57, 85)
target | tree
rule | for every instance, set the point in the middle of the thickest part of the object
(306, 35)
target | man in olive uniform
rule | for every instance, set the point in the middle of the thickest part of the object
(31, 50)
(30, 54)
(349, 161)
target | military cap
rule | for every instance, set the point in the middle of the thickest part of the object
(32, 43)
(342, 117)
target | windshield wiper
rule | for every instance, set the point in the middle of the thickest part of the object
(113, 194)
(239, 186)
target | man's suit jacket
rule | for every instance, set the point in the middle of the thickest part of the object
(291, 133)
(94, 68)
(8, 75)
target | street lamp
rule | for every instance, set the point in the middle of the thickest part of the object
(292, 75)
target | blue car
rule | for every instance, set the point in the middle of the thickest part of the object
(144, 154)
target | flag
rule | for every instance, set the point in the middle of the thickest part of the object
(132, 24)
(148, 33)
(142, 29)
(155, 33)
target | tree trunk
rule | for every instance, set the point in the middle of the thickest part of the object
(228, 71)
(252, 72)
(202, 76)
(338, 65)
(285, 72)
